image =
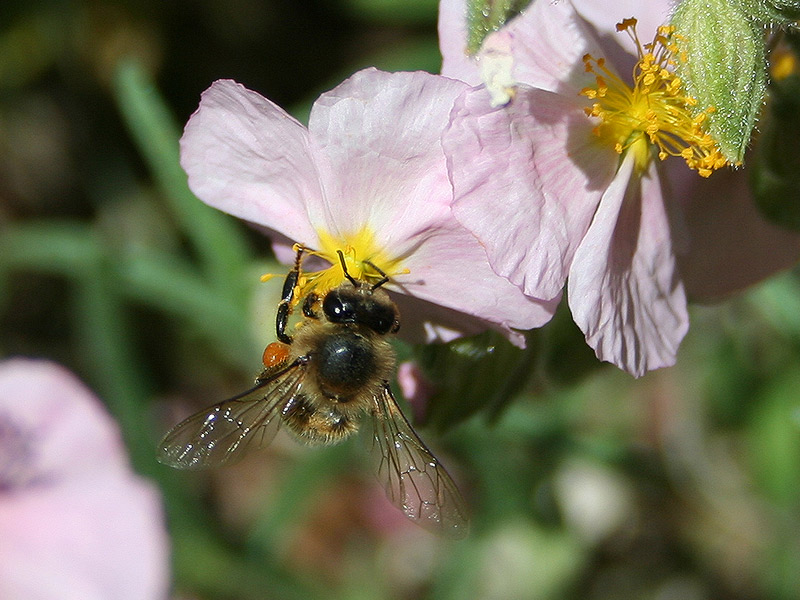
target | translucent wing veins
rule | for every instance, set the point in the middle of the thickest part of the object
(223, 433)
(415, 481)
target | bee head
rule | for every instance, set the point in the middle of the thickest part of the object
(362, 305)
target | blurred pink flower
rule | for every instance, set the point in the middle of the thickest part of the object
(416, 387)
(75, 521)
(553, 203)
(368, 177)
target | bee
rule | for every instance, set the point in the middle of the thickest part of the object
(320, 383)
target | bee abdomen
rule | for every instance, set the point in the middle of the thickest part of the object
(317, 425)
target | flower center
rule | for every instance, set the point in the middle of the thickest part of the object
(654, 109)
(364, 259)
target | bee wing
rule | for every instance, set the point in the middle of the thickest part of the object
(415, 481)
(224, 432)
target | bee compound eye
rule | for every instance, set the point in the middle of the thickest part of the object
(337, 308)
(382, 319)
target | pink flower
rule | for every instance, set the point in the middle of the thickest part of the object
(75, 522)
(367, 178)
(561, 197)
(416, 387)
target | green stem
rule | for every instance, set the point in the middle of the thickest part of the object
(216, 239)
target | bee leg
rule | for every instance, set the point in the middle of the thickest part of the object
(309, 306)
(287, 295)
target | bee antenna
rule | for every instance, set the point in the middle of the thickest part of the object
(344, 268)
(384, 277)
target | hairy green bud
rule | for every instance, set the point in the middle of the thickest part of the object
(486, 16)
(771, 12)
(722, 64)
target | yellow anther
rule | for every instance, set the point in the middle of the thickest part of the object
(363, 258)
(653, 108)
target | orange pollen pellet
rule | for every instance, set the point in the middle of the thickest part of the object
(275, 354)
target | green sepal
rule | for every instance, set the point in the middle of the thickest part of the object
(722, 64)
(486, 16)
(771, 12)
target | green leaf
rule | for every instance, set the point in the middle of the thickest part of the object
(215, 237)
(485, 372)
(172, 286)
(470, 374)
(57, 247)
(776, 161)
(775, 441)
(394, 11)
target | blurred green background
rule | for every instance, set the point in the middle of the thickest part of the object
(583, 482)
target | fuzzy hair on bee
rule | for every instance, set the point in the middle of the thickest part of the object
(321, 383)
(350, 366)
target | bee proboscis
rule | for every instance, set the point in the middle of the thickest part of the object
(319, 383)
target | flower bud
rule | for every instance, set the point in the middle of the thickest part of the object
(722, 65)
(771, 12)
(486, 16)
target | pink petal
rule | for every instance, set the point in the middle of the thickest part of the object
(246, 156)
(527, 179)
(49, 413)
(456, 63)
(548, 41)
(425, 322)
(731, 246)
(617, 47)
(604, 18)
(623, 288)
(417, 389)
(377, 139)
(92, 540)
(75, 522)
(449, 268)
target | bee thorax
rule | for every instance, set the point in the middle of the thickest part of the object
(345, 362)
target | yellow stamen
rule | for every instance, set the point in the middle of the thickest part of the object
(364, 260)
(653, 110)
